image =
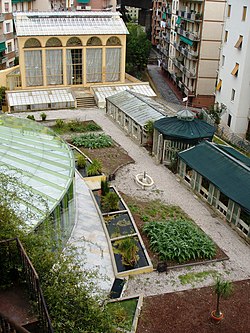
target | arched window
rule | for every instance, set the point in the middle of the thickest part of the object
(32, 43)
(114, 41)
(74, 41)
(94, 41)
(53, 42)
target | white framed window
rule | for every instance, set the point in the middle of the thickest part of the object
(232, 95)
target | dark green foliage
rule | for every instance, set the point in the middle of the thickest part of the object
(31, 117)
(179, 241)
(222, 289)
(104, 187)
(43, 116)
(123, 313)
(128, 249)
(2, 96)
(92, 141)
(81, 161)
(95, 168)
(137, 50)
(76, 126)
(110, 202)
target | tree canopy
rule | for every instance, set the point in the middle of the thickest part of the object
(138, 49)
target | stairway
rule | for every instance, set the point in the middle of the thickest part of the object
(86, 101)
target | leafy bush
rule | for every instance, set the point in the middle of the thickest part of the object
(59, 123)
(110, 202)
(104, 187)
(31, 117)
(43, 116)
(81, 161)
(95, 168)
(128, 249)
(179, 240)
(92, 141)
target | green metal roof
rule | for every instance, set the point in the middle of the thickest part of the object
(179, 129)
(186, 40)
(43, 161)
(235, 153)
(228, 174)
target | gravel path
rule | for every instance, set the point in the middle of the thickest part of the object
(168, 188)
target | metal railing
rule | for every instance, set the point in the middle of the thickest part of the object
(9, 326)
(32, 281)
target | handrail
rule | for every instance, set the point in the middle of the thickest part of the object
(33, 285)
(10, 326)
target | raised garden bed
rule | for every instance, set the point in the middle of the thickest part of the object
(119, 224)
(97, 195)
(140, 262)
(126, 313)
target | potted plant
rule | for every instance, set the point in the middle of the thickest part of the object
(222, 289)
(43, 116)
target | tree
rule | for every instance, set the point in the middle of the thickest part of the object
(71, 295)
(137, 50)
(222, 289)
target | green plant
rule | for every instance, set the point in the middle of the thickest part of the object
(43, 116)
(31, 117)
(222, 289)
(59, 123)
(92, 141)
(128, 249)
(95, 168)
(110, 202)
(104, 187)
(81, 161)
(179, 240)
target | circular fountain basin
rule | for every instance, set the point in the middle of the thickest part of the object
(144, 180)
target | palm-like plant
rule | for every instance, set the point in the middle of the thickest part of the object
(128, 249)
(222, 289)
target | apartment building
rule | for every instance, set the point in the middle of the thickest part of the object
(188, 34)
(94, 4)
(7, 41)
(233, 86)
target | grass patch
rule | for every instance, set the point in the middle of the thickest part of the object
(190, 278)
(75, 126)
(156, 211)
(123, 313)
(92, 141)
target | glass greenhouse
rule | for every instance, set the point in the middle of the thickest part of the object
(42, 164)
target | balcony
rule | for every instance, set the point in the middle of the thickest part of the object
(190, 74)
(190, 35)
(189, 16)
(190, 54)
(3, 60)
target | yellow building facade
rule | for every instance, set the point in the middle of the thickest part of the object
(70, 49)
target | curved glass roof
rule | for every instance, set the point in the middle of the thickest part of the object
(43, 161)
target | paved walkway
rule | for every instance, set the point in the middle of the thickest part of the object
(169, 190)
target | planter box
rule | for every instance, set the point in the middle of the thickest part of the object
(119, 224)
(97, 195)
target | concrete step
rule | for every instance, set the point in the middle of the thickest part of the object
(86, 101)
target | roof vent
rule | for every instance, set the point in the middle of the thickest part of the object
(185, 115)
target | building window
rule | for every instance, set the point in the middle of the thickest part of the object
(31, 43)
(244, 13)
(6, 7)
(232, 95)
(218, 87)
(226, 36)
(7, 27)
(235, 70)
(238, 44)
(229, 119)
(228, 10)
(223, 60)
(74, 66)
(9, 47)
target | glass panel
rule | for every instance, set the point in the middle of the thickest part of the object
(113, 64)
(54, 67)
(94, 65)
(74, 66)
(33, 68)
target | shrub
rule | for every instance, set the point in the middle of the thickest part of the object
(95, 168)
(104, 187)
(81, 161)
(179, 240)
(43, 116)
(31, 117)
(128, 249)
(92, 141)
(110, 202)
(59, 123)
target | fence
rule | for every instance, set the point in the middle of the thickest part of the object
(32, 280)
